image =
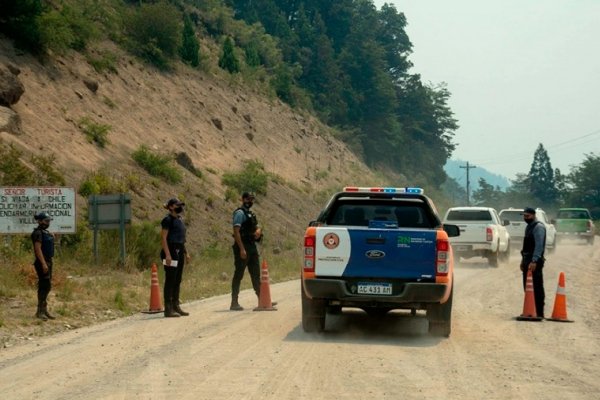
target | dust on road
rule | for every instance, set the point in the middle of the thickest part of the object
(217, 354)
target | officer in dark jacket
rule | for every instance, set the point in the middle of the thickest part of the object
(43, 248)
(246, 233)
(174, 254)
(533, 259)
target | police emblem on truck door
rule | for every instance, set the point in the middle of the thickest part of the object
(331, 241)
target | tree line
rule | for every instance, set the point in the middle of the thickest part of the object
(546, 187)
(344, 60)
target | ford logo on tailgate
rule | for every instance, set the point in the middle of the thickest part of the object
(375, 254)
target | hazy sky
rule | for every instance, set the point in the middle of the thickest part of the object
(521, 72)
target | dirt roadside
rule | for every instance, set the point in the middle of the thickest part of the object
(217, 354)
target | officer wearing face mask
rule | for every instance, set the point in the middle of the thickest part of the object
(533, 259)
(246, 233)
(174, 256)
(43, 248)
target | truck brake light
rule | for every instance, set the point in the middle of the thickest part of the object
(441, 263)
(309, 253)
(489, 234)
(589, 226)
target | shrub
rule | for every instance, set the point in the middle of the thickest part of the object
(156, 164)
(155, 33)
(12, 170)
(46, 174)
(252, 177)
(104, 62)
(64, 28)
(99, 183)
(228, 60)
(95, 133)
(19, 21)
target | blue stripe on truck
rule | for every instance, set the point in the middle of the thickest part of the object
(394, 253)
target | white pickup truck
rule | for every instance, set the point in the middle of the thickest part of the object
(482, 233)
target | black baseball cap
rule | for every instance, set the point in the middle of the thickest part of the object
(528, 210)
(247, 195)
(42, 216)
(174, 201)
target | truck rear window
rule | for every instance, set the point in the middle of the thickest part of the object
(573, 214)
(469, 215)
(512, 216)
(359, 213)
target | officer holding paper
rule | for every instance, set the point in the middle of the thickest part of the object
(174, 256)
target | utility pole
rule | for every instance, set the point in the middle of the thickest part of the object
(468, 167)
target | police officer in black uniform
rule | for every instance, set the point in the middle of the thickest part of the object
(43, 248)
(246, 233)
(174, 254)
(533, 259)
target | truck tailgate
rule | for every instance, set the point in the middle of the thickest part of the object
(375, 253)
(470, 233)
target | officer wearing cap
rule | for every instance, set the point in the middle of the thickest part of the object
(246, 233)
(43, 249)
(533, 259)
(174, 255)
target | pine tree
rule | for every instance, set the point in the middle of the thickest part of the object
(228, 59)
(190, 46)
(541, 180)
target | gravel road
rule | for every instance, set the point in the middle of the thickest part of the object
(218, 354)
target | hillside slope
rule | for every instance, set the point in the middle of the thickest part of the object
(181, 111)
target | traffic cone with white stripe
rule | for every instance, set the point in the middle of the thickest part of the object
(264, 298)
(529, 313)
(559, 313)
(155, 306)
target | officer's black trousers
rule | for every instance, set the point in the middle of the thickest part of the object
(44, 281)
(251, 262)
(173, 275)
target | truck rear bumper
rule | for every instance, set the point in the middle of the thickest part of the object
(412, 292)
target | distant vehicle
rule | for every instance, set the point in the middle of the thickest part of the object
(575, 224)
(516, 228)
(482, 233)
(378, 249)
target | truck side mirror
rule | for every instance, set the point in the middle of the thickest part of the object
(506, 222)
(451, 230)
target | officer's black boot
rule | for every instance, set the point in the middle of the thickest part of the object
(178, 309)
(235, 306)
(40, 313)
(169, 311)
(45, 311)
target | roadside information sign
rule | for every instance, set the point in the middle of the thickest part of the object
(18, 205)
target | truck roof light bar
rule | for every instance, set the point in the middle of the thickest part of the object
(407, 190)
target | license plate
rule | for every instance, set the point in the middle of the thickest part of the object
(462, 248)
(375, 288)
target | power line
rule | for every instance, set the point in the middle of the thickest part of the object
(523, 156)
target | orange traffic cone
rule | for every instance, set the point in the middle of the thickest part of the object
(264, 300)
(155, 306)
(529, 313)
(560, 301)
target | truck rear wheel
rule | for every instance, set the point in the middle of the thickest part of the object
(440, 317)
(313, 313)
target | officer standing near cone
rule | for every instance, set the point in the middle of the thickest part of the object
(43, 248)
(174, 255)
(534, 244)
(246, 233)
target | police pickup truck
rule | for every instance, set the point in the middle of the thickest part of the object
(378, 249)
